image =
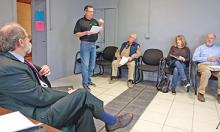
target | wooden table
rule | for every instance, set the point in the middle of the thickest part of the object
(47, 128)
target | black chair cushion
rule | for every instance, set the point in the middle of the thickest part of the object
(152, 57)
(148, 68)
(109, 53)
(103, 62)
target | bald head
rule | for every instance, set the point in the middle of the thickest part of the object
(210, 39)
(132, 38)
(10, 35)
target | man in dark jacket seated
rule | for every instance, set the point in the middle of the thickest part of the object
(22, 89)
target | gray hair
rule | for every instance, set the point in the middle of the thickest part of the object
(10, 35)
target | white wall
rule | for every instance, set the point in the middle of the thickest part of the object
(62, 45)
(167, 19)
(193, 18)
(162, 20)
(8, 11)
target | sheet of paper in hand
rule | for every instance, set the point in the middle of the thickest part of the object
(173, 56)
(95, 29)
(214, 68)
(123, 61)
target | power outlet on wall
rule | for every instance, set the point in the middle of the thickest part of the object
(147, 36)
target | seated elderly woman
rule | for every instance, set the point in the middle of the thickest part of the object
(179, 57)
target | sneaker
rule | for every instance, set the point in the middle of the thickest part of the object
(200, 97)
(218, 98)
(185, 83)
(173, 91)
(87, 88)
(92, 84)
(113, 80)
(122, 121)
(130, 83)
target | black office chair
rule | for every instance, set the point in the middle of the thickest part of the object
(106, 58)
(149, 62)
(78, 60)
(196, 76)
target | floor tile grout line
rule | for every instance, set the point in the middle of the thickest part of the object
(178, 128)
(193, 113)
(217, 114)
(102, 128)
(167, 114)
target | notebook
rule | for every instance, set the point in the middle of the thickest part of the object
(214, 68)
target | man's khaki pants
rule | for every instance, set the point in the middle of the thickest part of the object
(205, 75)
(131, 69)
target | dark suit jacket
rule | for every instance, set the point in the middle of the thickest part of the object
(19, 89)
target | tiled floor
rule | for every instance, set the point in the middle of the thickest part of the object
(165, 113)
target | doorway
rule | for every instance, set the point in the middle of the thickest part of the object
(31, 14)
(24, 19)
(109, 36)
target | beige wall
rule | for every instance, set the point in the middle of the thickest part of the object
(24, 16)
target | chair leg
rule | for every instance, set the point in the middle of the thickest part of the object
(196, 85)
(140, 78)
(135, 76)
(119, 73)
(102, 70)
(157, 78)
(138, 74)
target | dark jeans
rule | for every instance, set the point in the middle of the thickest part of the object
(75, 111)
(178, 73)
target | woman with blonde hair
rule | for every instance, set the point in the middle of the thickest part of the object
(179, 57)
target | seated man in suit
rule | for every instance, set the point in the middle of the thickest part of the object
(207, 55)
(132, 51)
(21, 89)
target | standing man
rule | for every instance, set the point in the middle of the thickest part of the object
(87, 46)
(207, 55)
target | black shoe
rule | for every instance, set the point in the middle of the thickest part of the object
(92, 84)
(122, 121)
(218, 98)
(87, 88)
(173, 91)
(130, 83)
(185, 83)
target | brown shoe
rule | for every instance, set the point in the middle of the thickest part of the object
(122, 121)
(218, 98)
(201, 97)
(130, 83)
(113, 80)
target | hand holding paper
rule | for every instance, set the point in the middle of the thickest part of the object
(123, 61)
(214, 68)
(95, 29)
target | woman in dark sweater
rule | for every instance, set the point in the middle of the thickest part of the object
(179, 57)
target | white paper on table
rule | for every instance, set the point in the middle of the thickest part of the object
(15, 122)
(95, 29)
(123, 61)
(214, 68)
